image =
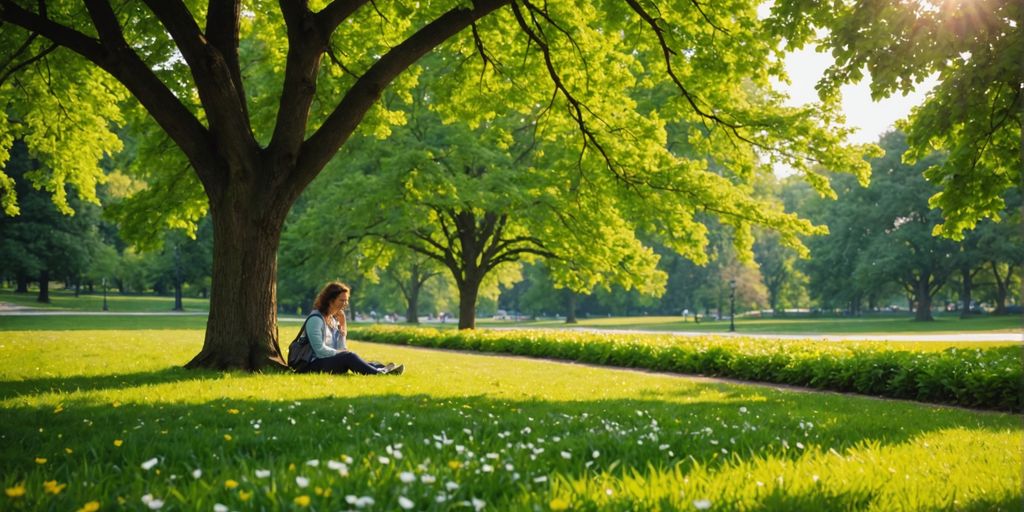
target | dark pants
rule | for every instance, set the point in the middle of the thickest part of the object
(341, 363)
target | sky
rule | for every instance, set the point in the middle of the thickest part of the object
(870, 118)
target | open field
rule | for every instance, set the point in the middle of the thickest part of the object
(888, 323)
(108, 416)
(66, 300)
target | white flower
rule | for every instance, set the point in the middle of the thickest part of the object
(262, 473)
(743, 410)
(800, 445)
(451, 486)
(365, 501)
(441, 498)
(313, 463)
(302, 482)
(478, 504)
(335, 465)
(148, 465)
(152, 503)
(219, 507)
(428, 479)
(596, 454)
(566, 455)
(384, 460)
(702, 504)
(196, 473)
(407, 477)
(405, 503)
(487, 468)
(540, 479)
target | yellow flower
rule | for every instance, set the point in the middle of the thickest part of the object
(15, 492)
(227, 437)
(52, 487)
(302, 501)
(40, 460)
(59, 409)
(68, 451)
(319, 491)
(244, 495)
(558, 504)
(118, 442)
(291, 467)
(454, 464)
(232, 411)
(92, 506)
(230, 484)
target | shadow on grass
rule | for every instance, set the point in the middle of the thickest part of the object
(450, 436)
(119, 381)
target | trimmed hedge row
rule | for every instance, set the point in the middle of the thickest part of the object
(988, 378)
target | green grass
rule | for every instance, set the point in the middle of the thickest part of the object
(66, 300)
(87, 409)
(871, 324)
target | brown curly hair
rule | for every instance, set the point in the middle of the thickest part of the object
(327, 295)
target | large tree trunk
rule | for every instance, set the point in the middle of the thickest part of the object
(23, 281)
(924, 300)
(241, 331)
(570, 308)
(1002, 286)
(177, 280)
(469, 289)
(44, 287)
(966, 287)
(412, 315)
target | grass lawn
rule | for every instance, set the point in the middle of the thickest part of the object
(882, 324)
(66, 300)
(107, 417)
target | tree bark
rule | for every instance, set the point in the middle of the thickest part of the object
(570, 308)
(965, 291)
(924, 300)
(412, 315)
(22, 281)
(44, 287)
(469, 289)
(1002, 286)
(241, 330)
(177, 279)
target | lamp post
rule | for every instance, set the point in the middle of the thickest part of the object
(105, 308)
(732, 305)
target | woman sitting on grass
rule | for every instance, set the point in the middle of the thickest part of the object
(326, 329)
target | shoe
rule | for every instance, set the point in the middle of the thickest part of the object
(397, 370)
(388, 367)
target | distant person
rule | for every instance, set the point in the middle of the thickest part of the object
(327, 331)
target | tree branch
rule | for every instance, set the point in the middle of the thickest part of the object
(222, 30)
(112, 54)
(340, 124)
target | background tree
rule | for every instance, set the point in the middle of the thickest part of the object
(974, 114)
(43, 243)
(255, 139)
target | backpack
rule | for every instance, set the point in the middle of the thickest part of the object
(300, 352)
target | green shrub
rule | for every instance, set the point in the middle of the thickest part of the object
(988, 378)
